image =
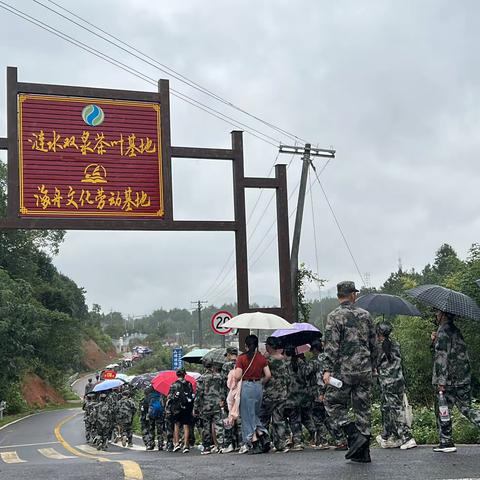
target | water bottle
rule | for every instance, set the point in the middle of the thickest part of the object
(335, 382)
(443, 410)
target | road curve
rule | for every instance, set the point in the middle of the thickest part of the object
(51, 445)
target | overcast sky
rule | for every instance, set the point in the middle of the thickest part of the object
(393, 86)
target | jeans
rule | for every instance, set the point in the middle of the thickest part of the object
(250, 404)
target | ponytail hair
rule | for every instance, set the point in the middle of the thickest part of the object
(251, 343)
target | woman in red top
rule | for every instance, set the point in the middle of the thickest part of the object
(252, 368)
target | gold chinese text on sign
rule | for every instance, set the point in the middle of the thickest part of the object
(89, 157)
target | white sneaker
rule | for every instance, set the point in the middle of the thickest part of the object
(409, 444)
(228, 449)
(381, 441)
(177, 448)
(243, 449)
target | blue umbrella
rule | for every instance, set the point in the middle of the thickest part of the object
(107, 385)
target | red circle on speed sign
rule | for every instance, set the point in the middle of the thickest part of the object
(218, 319)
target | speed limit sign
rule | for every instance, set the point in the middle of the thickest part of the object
(218, 320)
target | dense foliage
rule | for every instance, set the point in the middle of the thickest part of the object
(43, 314)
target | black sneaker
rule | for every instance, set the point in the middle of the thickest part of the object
(445, 448)
(151, 447)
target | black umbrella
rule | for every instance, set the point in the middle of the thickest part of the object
(142, 381)
(300, 334)
(387, 305)
(446, 300)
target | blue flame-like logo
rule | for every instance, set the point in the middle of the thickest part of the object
(93, 115)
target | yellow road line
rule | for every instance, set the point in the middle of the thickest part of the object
(131, 469)
(11, 457)
(53, 454)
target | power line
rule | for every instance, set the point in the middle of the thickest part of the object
(314, 231)
(182, 96)
(158, 65)
(340, 228)
(212, 287)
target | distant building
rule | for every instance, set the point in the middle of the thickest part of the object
(122, 344)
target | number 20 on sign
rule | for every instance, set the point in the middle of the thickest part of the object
(218, 321)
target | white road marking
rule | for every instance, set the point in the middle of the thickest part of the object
(28, 445)
(94, 451)
(53, 454)
(11, 457)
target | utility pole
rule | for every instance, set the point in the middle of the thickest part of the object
(199, 303)
(308, 152)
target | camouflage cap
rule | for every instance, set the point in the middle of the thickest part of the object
(231, 351)
(345, 288)
(181, 372)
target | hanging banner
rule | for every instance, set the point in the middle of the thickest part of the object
(89, 157)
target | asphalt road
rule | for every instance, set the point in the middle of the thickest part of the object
(51, 445)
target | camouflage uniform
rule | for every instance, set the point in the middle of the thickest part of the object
(315, 368)
(350, 355)
(232, 436)
(299, 400)
(103, 422)
(210, 392)
(392, 388)
(145, 422)
(156, 424)
(275, 391)
(89, 419)
(125, 411)
(112, 400)
(451, 368)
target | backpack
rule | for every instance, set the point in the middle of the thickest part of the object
(155, 406)
(184, 396)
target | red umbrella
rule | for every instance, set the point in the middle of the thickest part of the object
(164, 380)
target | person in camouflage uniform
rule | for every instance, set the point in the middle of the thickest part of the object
(350, 356)
(232, 437)
(156, 418)
(144, 419)
(124, 416)
(112, 400)
(89, 416)
(103, 422)
(208, 406)
(315, 368)
(396, 433)
(298, 399)
(452, 376)
(272, 412)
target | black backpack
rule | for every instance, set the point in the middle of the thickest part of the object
(184, 396)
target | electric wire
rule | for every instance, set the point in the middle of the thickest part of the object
(158, 65)
(182, 96)
(314, 231)
(345, 241)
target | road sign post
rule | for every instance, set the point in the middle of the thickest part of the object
(3, 406)
(217, 322)
(177, 355)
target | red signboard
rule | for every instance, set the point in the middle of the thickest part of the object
(85, 157)
(109, 374)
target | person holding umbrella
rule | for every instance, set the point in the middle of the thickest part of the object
(451, 377)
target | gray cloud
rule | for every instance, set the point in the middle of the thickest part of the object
(394, 86)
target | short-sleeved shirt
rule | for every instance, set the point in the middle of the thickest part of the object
(255, 372)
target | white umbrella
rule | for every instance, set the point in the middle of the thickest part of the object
(258, 321)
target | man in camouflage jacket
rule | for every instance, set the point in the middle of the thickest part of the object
(275, 391)
(126, 409)
(451, 376)
(350, 356)
(207, 405)
(103, 422)
(89, 416)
